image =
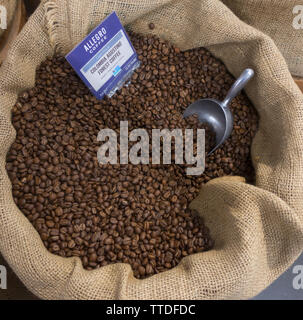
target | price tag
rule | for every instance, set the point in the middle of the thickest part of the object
(105, 59)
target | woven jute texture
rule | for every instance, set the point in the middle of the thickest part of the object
(258, 230)
(10, 6)
(282, 20)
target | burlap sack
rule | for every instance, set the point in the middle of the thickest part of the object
(279, 20)
(10, 6)
(258, 230)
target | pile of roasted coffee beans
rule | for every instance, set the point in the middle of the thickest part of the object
(135, 214)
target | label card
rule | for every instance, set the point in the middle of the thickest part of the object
(105, 59)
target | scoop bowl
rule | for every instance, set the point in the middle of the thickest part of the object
(217, 114)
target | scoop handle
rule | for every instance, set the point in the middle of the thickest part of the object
(240, 83)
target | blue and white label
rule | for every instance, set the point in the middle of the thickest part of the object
(105, 59)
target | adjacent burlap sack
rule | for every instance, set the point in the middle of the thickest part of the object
(258, 230)
(278, 19)
(10, 6)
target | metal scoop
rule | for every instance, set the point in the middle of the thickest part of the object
(216, 113)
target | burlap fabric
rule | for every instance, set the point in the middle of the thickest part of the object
(258, 230)
(10, 6)
(277, 19)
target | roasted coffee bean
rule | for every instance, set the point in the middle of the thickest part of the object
(151, 26)
(135, 214)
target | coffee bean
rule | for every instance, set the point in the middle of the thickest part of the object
(59, 211)
(151, 26)
(149, 269)
(50, 224)
(71, 244)
(141, 270)
(93, 257)
(135, 214)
